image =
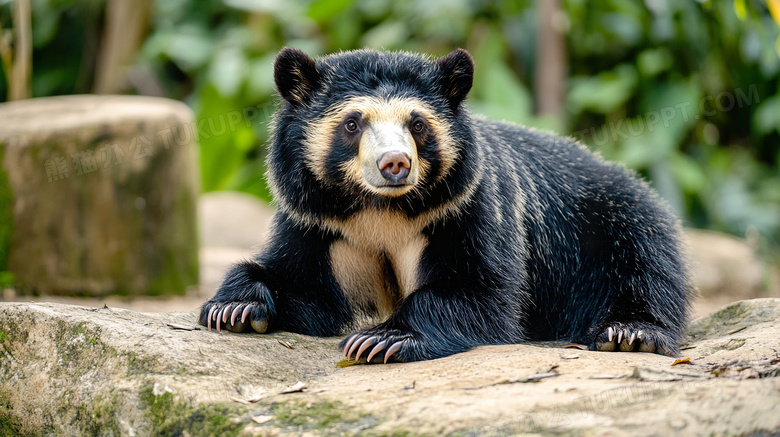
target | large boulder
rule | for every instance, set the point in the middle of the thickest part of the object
(233, 219)
(724, 266)
(69, 370)
(233, 226)
(98, 195)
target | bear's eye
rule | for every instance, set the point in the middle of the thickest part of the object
(351, 125)
(418, 126)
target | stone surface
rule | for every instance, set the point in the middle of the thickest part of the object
(724, 266)
(233, 219)
(98, 195)
(215, 262)
(233, 226)
(75, 370)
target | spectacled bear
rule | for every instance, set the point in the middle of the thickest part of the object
(398, 206)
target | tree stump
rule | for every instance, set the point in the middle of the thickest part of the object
(98, 195)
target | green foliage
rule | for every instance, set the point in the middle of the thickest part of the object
(702, 99)
(686, 93)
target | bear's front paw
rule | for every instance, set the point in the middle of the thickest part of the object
(380, 345)
(235, 316)
(633, 337)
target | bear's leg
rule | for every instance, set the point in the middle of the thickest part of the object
(289, 287)
(242, 303)
(635, 276)
(433, 323)
(643, 312)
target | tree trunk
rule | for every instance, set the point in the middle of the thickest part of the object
(21, 65)
(550, 74)
(100, 195)
(122, 36)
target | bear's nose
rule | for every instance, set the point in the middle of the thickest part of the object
(394, 166)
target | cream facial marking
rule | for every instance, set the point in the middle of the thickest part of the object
(380, 141)
(386, 125)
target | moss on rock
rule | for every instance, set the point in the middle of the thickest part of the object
(169, 416)
(6, 221)
(317, 415)
(9, 425)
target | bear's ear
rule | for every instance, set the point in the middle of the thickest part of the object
(295, 75)
(456, 76)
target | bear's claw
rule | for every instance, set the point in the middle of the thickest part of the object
(393, 349)
(633, 337)
(365, 344)
(361, 342)
(233, 316)
(379, 347)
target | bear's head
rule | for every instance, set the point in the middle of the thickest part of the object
(367, 129)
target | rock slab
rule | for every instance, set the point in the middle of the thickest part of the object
(70, 370)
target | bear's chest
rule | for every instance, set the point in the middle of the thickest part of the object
(376, 262)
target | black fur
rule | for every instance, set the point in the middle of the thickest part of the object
(296, 76)
(592, 247)
(459, 77)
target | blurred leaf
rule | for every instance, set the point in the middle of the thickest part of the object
(688, 173)
(312, 47)
(250, 178)
(291, 14)
(774, 8)
(46, 21)
(228, 71)
(767, 116)
(602, 93)
(740, 10)
(388, 35)
(224, 144)
(504, 98)
(646, 140)
(276, 7)
(667, 185)
(190, 47)
(735, 207)
(324, 10)
(439, 19)
(7, 279)
(497, 93)
(651, 62)
(626, 27)
(673, 107)
(345, 31)
(770, 50)
(639, 151)
(751, 45)
(261, 76)
(374, 9)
